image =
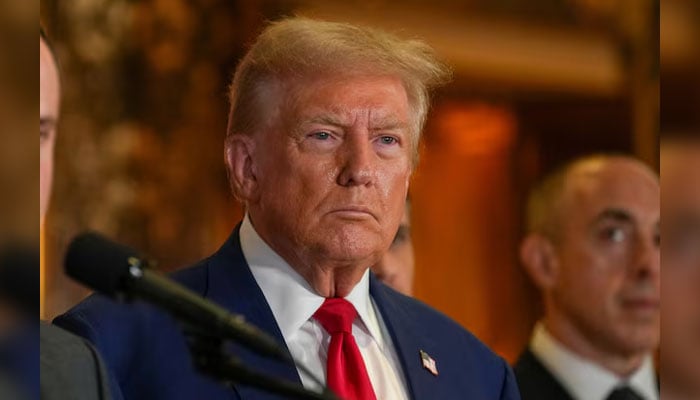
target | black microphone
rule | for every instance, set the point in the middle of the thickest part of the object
(115, 269)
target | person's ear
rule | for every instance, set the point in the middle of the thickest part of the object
(241, 168)
(539, 258)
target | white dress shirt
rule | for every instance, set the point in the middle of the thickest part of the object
(293, 302)
(583, 379)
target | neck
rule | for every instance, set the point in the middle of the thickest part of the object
(331, 280)
(326, 276)
(622, 365)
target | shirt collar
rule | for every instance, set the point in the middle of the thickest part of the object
(291, 298)
(584, 379)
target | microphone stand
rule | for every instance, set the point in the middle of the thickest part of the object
(210, 358)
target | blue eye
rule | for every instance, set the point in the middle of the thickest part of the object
(322, 135)
(615, 235)
(388, 140)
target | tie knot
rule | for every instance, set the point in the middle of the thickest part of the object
(623, 393)
(336, 315)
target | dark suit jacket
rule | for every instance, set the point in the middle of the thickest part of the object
(148, 355)
(19, 361)
(535, 380)
(71, 368)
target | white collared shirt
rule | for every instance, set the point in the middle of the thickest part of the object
(583, 379)
(293, 302)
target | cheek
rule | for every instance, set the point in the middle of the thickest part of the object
(605, 272)
(45, 172)
(393, 184)
(587, 285)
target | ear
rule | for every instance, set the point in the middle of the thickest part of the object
(538, 255)
(241, 168)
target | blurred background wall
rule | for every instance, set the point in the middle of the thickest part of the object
(139, 154)
(680, 67)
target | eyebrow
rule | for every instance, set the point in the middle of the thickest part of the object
(325, 119)
(621, 216)
(615, 214)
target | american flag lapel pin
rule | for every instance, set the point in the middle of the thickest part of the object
(428, 362)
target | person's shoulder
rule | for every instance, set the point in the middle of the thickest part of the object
(70, 366)
(59, 346)
(463, 363)
(99, 317)
(58, 338)
(535, 381)
(192, 277)
(426, 321)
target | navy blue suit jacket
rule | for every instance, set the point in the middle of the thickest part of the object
(148, 355)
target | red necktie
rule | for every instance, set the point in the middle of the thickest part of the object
(345, 369)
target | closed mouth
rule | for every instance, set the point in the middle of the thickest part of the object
(354, 212)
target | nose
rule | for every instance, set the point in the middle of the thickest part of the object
(357, 161)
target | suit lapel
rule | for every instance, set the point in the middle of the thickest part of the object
(232, 285)
(408, 345)
(536, 381)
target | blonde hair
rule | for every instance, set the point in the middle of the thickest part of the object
(302, 47)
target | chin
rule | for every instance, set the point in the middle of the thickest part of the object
(636, 341)
(352, 249)
(366, 257)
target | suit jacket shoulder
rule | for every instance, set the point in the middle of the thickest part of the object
(145, 349)
(71, 368)
(466, 367)
(535, 380)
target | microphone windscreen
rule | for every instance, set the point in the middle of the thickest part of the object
(98, 262)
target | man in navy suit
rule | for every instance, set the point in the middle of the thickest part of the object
(592, 249)
(322, 139)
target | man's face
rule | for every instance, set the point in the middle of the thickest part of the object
(48, 115)
(608, 256)
(680, 321)
(396, 266)
(332, 169)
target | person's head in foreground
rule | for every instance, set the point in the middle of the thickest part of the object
(680, 317)
(322, 139)
(592, 248)
(10, 311)
(49, 94)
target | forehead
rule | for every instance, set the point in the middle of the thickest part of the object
(379, 99)
(622, 184)
(48, 79)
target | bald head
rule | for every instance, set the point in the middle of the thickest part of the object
(593, 250)
(556, 196)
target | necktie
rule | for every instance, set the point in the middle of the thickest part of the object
(345, 369)
(623, 393)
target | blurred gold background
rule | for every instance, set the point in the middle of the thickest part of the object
(139, 153)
